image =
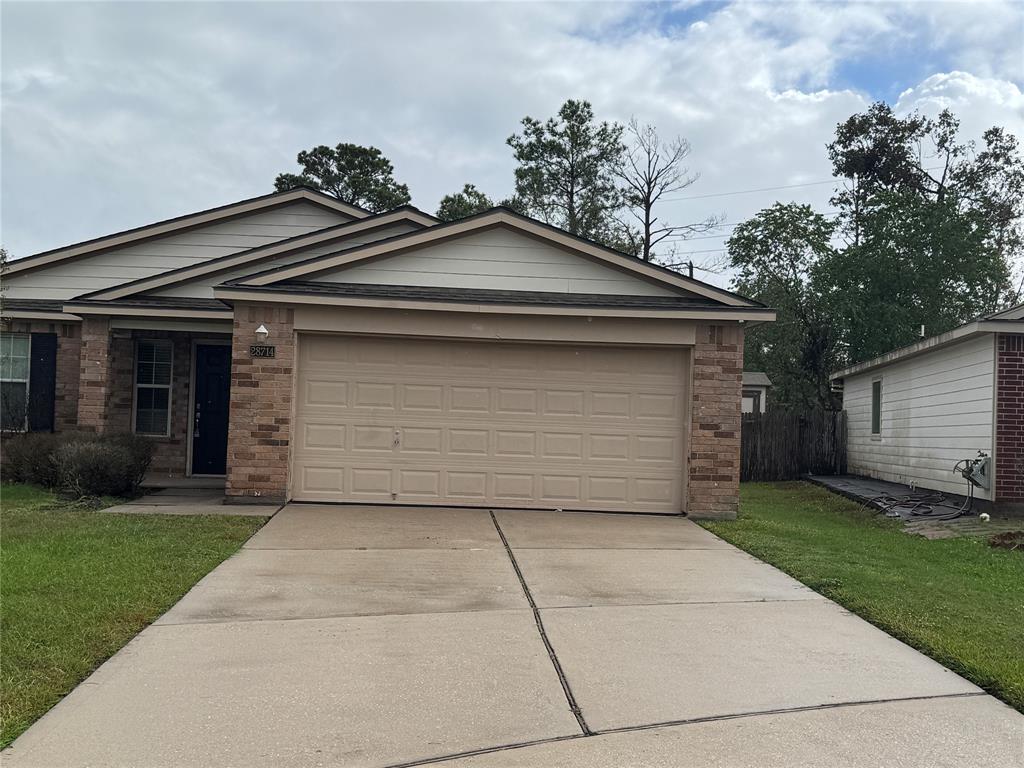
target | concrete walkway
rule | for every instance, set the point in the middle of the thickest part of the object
(387, 637)
(177, 500)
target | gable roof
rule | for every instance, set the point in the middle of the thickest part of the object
(756, 379)
(1005, 321)
(327, 236)
(182, 223)
(495, 217)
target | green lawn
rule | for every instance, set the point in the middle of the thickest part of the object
(957, 600)
(76, 585)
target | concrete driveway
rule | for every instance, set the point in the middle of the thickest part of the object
(360, 636)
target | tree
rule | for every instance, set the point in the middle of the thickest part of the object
(779, 256)
(925, 232)
(931, 226)
(354, 174)
(650, 169)
(567, 172)
(462, 204)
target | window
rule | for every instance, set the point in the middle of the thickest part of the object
(153, 387)
(14, 366)
(876, 407)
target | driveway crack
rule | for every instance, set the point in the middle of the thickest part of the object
(566, 689)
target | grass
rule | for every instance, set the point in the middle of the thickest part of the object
(76, 585)
(959, 601)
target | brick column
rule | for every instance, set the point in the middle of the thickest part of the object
(260, 427)
(714, 465)
(105, 378)
(69, 375)
(1010, 419)
(94, 374)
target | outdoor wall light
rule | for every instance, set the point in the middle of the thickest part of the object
(262, 333)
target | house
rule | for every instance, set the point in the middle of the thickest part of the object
(755, 391)
(916, 411)
(305, 349)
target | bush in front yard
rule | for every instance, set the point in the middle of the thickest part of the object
(106, 467)
(29, 457)
(78, 464)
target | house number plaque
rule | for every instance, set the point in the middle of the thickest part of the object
(262, 350)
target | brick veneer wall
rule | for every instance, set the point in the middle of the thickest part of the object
(94, 374)
(106, 394)
(1010, 418)
(69, 349)
(714, 466)
(259, 435)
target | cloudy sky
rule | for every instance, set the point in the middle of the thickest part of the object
(119, 114)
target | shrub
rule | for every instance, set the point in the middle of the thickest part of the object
(110, 466)
(78, 463)
(29, 457)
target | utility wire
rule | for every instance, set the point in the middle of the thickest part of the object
(833, 180)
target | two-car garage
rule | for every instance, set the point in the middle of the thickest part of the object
(435, 421)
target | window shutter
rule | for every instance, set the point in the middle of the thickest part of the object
(42, 382)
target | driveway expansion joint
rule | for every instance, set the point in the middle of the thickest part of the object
(677, 723)
(570, 698)
(787, 711)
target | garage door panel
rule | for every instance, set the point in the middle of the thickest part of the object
(470, 399)
(514, 487)
(328, 479)
(479, 423)
(428, 398)
(373, 394)
(562, 402)
(326, 393)
(371, 482)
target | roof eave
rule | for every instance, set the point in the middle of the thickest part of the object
(955, 336)
(232, 293)
(179, 224)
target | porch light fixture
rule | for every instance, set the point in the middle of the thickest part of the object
(262, 333)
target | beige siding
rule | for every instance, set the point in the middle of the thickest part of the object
(936, 409)
(202, 287)
(500, 259)
(513, 425)
(92, 273)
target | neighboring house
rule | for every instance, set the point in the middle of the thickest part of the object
(755, 391)
(915, 412)
(305, 349)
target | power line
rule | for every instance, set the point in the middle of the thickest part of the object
(750, 191)
(681, 238)
(833, 180)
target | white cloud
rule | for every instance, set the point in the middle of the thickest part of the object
(115, 115)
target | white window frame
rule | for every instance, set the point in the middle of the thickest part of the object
(136, 386)
(28, 372)
(871, 416)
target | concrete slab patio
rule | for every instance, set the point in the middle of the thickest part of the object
(388, 637)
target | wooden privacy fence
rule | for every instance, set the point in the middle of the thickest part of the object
(784, 444)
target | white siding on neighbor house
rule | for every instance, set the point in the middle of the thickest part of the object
(93, 273)
(936, 409)
(202, 287)
(747, 403)
(500, 259)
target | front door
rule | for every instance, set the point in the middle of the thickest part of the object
(210, 418)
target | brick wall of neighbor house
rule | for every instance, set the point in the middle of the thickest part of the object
(69, 349)
(259, 434)
(714, 480)
(1010, 418)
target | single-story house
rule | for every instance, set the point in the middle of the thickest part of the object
(305, 349)
(915, 412)
(755, 391)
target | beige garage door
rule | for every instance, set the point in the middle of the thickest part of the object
(414, 421)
